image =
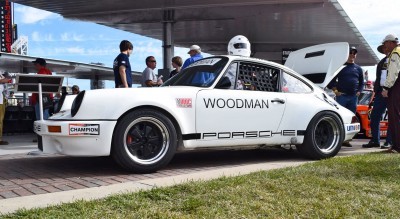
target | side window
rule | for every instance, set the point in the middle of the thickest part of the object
(231, 73)
(258, 77)
(290, 84)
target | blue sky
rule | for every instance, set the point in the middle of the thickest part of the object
(52, 36)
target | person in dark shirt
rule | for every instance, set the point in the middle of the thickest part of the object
(380, 104)
(348, 84)
(122, 66)
(177, 64)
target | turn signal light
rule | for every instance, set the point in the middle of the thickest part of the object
(54, 128)
(354, 120)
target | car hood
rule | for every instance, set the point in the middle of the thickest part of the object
(320, 63)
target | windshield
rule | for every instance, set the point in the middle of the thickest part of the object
(202, 73)
(365, 97)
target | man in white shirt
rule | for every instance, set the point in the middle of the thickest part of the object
(391, 89)
(149, 79)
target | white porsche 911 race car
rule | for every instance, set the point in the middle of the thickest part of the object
(217, 102)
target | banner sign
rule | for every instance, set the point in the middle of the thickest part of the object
(6, 26)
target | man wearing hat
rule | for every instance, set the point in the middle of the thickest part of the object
(40, 65)
(391, 89)
(348, 84)
(195, 54)
(380, 103)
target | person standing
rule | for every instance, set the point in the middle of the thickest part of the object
(40, 65)
(379, 105)
(149, 79)
(195, 54)
(12, 100)
(122, 66)
(177, 64)
(3, 105)
(348, 84)
(391, 89)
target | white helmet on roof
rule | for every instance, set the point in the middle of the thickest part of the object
(239, 46)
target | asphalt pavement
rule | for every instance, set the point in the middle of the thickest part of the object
(30, 180)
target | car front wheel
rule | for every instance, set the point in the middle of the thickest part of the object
(144, 141)
(324, 136)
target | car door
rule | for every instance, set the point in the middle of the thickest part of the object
(249, 112)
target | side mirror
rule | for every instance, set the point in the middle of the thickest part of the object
(224, 83)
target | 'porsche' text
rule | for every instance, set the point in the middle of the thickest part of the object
(248, 134)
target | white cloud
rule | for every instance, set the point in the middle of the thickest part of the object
(374, 19)
(32, 15)
(75, 50)
(72, 37)
(37, 37)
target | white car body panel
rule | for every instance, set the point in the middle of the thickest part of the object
(224, 125)
(326, 58)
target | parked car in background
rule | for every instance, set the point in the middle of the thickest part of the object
(364, 108)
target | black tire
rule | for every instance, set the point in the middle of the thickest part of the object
(324, 136)
(144, 141)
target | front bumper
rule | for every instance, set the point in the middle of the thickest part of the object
(351, 130)
(75, 138)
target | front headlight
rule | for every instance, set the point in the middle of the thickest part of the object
(77, 103)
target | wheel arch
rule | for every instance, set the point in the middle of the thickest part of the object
(312, 151)
(325, 111)
(165, 112)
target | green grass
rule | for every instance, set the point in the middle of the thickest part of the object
(364, 186)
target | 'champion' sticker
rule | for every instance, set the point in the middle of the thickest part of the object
(84, 129)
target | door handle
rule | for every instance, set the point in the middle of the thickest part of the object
(278, 101)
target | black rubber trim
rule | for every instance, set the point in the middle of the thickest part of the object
(40, 142)
(83, 120)
(301, 132)
(314, 54)
(192, 136)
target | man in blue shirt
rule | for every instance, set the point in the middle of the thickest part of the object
(122, 66)
(195, 54)
(349, 83)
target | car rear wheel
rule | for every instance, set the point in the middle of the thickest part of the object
(324, 136)
(144, 141)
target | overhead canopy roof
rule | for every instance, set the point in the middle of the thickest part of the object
(270, 25)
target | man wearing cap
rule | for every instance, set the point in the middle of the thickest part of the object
(391, 89)
(348, 84)
(40, 65)
(380, 104)
(195, 54)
